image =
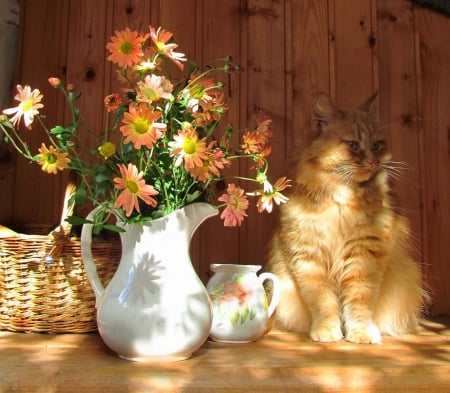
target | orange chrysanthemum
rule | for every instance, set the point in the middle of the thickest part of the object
(188, 147)
(271, 194)
(112, 102)
(161, 37)
(133, 188)
(216, 160)
(256, 141)
(209, 111)
(153, 88)
(51, 160)
(140, 126)
(30, 103)
(236, 206)
(125, 48)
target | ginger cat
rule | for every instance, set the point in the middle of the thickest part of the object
(341, 252)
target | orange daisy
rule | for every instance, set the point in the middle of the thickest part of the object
(52, 160)
(30, 103)
(125, 48)
(216, 160)
(256, 141)
(209, 111)
(140, 126)
(153, 88)
(236, 206)
(189, 148)
(271, 194)
(263, 127)
(160, 37)
(133, 188)
(112, 102)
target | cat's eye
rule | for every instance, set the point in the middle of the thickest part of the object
(353, 145)
(378, 146)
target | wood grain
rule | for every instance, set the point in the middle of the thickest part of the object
(398, 105)
(280, 362)
(434, 63)
(265, 81)
(289, 50)
(41, 57)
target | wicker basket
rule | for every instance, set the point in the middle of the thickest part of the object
(43, 284)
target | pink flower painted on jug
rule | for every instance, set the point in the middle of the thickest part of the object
(234, 292)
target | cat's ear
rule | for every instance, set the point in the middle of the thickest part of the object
(323, 111)
(370, 105)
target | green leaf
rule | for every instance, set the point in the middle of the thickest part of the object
(113, 228)
(239, 278)
(80, 196)
(57, 130)
(194, 196)
(102, 177)
(244, 314)
(234, 318)
(97, 229)
(75, 220)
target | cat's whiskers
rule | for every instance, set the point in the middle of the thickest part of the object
(346, 172)
(395, 169)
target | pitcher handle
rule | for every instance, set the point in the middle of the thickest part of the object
(275, 292)
(87, 258)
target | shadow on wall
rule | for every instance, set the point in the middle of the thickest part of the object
(442, 6)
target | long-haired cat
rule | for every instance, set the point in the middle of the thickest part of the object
(341, 252)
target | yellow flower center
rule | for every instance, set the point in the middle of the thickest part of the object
(189, 146)
(141, 125)
(132, 186)
(27, 105)
(160, 45)
(150, 94)
(197, 92)
(51, 158)
(126, 48)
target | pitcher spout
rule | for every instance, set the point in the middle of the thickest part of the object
(197, 213)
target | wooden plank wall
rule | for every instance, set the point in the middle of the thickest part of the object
(289, 50)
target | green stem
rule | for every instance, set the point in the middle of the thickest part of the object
(24, 150)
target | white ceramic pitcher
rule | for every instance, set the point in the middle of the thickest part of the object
(155, 307)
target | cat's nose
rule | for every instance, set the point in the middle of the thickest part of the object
(373, 163)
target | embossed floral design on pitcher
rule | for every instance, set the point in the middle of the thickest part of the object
(240, 308)
(155, 308)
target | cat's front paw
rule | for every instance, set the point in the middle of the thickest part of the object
(326, 333)
(363, 334)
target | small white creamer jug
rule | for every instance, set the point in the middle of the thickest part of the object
(240, 307)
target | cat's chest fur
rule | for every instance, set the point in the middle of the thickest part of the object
(334, 221)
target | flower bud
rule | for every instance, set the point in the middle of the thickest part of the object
(54, 82)
(107, 150)
(185, 125)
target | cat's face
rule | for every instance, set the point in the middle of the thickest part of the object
(350, 145)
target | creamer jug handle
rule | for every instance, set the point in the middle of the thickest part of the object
(88, 260)
(275, 291)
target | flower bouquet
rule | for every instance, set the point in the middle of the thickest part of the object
(163, 145)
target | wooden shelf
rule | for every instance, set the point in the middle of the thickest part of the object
(281, 362)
